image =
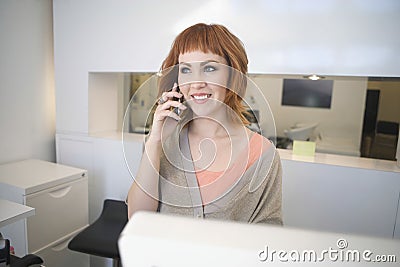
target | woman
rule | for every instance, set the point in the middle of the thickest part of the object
(200, 159)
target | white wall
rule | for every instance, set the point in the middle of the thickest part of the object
(27, 101)
(336, 37)
(105, 104)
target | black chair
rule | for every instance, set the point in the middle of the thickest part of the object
(101, 237)
(14, 261)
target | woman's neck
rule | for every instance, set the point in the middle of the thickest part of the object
(209, 128)
(206, 128)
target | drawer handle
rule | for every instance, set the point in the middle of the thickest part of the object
(61, 245)
(60, 192)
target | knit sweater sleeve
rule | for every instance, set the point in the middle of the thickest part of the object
(269, 207)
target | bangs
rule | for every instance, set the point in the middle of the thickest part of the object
(203, 38)
(218, 40)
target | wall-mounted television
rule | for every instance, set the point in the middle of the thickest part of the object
(307, 93)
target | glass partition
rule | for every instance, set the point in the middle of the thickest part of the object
(362, 119)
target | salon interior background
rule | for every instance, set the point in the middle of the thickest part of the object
(351, 38)
(48, 48)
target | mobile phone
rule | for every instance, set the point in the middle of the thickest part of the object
(177, 110)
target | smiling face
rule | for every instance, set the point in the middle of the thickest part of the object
(202, 79)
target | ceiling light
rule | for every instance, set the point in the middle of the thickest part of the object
(314, 77)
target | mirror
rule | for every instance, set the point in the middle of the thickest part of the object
(362, 118)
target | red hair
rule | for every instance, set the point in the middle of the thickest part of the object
(218, 40)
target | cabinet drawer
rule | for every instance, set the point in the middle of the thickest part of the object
(59, 211)
(58, 255)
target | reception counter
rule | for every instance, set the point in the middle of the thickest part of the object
(341, 194)
(325, 193)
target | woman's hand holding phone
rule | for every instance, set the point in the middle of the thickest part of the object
(166, 115)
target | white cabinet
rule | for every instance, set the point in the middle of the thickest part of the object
(59, 195)
(59, 255)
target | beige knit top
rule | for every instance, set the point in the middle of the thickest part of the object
(255, 198)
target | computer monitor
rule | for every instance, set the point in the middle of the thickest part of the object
(158, 240)
(307, 93)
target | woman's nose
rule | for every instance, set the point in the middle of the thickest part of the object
(197, 84)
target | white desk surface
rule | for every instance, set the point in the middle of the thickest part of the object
(11, 212)
(345, 161)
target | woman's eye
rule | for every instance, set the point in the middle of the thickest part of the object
(209, 68)
(185, 70)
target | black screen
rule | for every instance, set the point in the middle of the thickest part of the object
(307, 93)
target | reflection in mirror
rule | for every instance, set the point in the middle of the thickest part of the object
(380, 132)
(140, 102)
(361, 119)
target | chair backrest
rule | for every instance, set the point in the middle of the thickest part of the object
(101, 237)
(115, 210)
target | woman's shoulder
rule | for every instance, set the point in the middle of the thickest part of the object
(258, 141)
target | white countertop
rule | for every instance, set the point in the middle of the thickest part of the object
(340, 160)
(11, 212)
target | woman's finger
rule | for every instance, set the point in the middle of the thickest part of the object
(167, 96)
(175, 88)
(163, 98)
(172, 94)
(167, 105)
(162, 114)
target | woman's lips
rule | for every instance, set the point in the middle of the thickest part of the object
(200, 98)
